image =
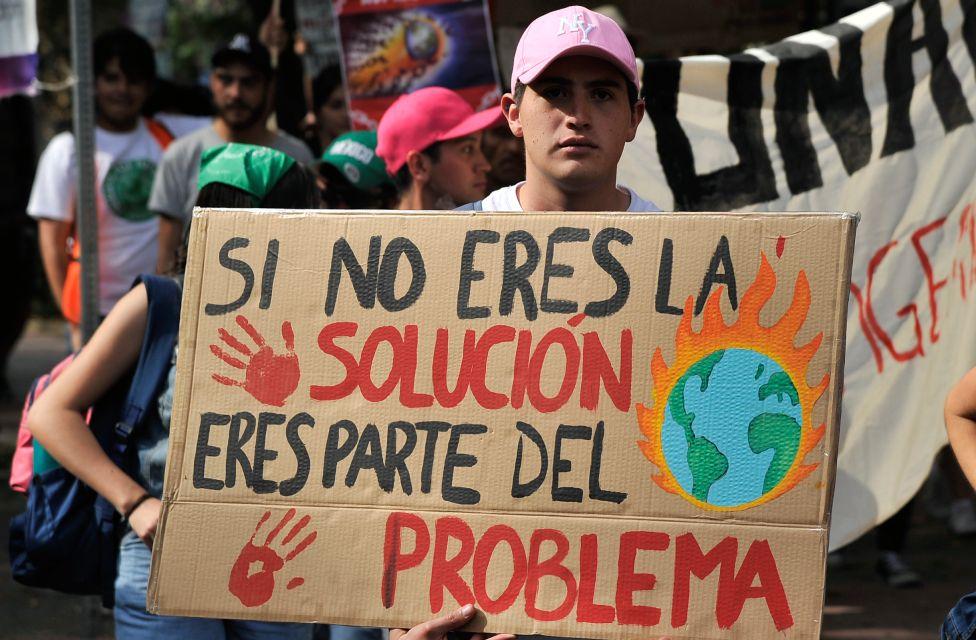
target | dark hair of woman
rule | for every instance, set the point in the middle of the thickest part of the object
(296, 189)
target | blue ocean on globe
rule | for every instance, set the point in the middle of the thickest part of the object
(738, 428)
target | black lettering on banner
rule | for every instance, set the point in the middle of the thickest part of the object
(268, 275)
(363, 282)
(522, 489)
(721, 258)
(235, 448)
(453, 460)
(469, 274)
(804, 69)
(386, 287)
(751, 180)
(334, 452)
(205, 450)
(303, 464)
(239, 267)
(946, 90)
(556, 270)
(396, 457)
(369, 455)
(515, 277)
(262, 454)
(606, 261)
(969, 27)
(561, 465)
(662, 299)
(596, 461)
(433, 428)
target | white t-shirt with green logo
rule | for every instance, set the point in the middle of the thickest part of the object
(127, 230)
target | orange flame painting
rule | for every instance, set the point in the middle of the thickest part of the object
(722, 437)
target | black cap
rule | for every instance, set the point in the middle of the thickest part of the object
(243, 48)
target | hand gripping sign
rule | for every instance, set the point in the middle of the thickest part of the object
(598, 425)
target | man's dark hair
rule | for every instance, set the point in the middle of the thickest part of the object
(632, 94)
(324, 84)
(402, 178)
(136, 57)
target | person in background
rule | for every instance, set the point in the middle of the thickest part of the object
(354, 176)
(431, 142)
(242, 83)
(960, 422)
(506, 155)
(127, 150)
(329, 107)
(574, 102)
(261, 177)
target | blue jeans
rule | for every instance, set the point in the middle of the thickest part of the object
(133, 622)
(960, 623)
(341, 632)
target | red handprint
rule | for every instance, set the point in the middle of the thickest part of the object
(254, 585)
(269, 377)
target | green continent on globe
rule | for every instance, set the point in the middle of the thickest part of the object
(779, 385)
(781, 433)
(706, 462)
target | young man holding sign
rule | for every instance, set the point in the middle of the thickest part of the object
(574, 101)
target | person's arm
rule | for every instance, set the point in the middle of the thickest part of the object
(170, 238)
(57, 418)
(960, 419)
(52, 237)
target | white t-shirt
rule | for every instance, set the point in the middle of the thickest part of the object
(127, 230)
(506, 199)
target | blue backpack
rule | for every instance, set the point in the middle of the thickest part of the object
(68, 537)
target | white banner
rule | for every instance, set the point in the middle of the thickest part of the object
(18, 46)
(873, 114)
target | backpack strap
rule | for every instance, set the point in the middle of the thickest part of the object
(160, 132)
(162, 327)
(477, 205)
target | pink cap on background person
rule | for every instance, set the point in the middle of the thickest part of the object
(419, 119)
(571, 31)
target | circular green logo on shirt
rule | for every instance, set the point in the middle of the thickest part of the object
(126, 189)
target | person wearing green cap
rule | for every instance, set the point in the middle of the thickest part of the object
(355, 176)
(235, 175)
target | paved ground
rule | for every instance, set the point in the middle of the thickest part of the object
(858, 606)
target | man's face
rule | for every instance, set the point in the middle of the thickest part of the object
(332, 114)
(506, 155)
(575, 119)
(461, 170)
(119, 98)
(240, 94)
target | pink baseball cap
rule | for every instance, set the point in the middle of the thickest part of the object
(572, 31)
(419, 119)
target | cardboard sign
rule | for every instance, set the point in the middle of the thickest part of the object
(589, 425)
(393, 47)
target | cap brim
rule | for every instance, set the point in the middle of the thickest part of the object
(593, 51)
(474, 123)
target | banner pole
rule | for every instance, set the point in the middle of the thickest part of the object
(86, 217)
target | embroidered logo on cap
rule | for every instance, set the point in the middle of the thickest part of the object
(577, 25)
(240, 43)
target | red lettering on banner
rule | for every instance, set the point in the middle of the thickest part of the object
(394, 559)
(628, 582)
(962, 269)
(553, 567)
(482, 559)
(584, 369)
(445, 572)
(587, 610)
(758, 577)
